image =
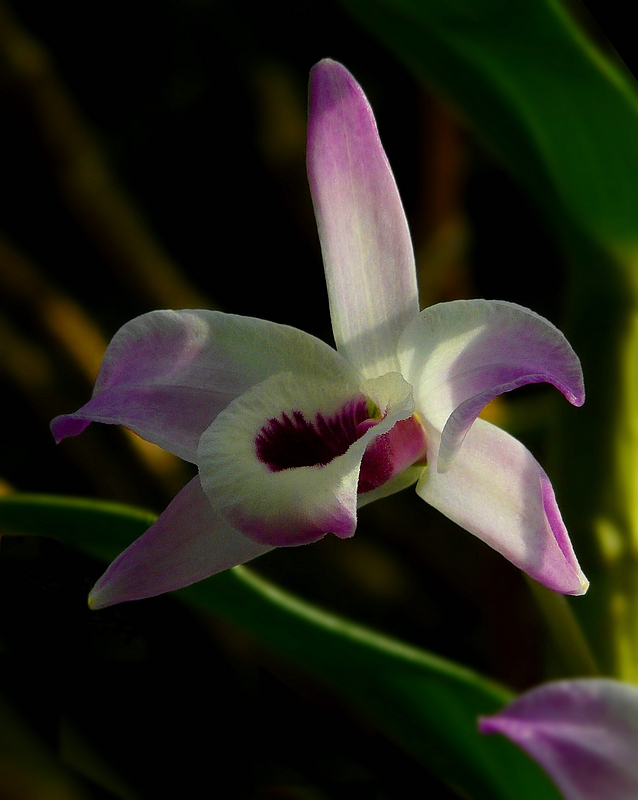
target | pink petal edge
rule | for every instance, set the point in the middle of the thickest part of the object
(460, 355)
(187, 543)
(583, 732)
(167, 374)
(497, 491)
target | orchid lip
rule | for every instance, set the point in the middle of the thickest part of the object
(285, 462)
(291, 441)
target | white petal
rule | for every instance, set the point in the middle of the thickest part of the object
(365, 241)
(460, 355)
(167, 374)
(496, 490)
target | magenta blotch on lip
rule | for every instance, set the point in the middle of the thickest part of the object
(291, 441)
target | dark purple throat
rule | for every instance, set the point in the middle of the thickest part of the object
(291, 440)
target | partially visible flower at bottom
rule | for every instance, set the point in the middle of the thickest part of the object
(291, 437)
(583, 732)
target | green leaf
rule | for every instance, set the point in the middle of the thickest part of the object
(426, 704)
(561, 116)
(99, 529)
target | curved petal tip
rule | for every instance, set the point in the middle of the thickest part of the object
(584, 733)
(68, 425)
(499, 492)
(187, 543)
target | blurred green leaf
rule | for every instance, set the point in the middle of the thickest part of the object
(99, 529)
(549, 105)
(426, 704)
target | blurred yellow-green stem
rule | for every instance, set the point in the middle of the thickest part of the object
(598, 450)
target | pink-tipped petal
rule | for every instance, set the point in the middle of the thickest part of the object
(364, 235)
(584, 733)
(295, 505)
(167, 374)
(172, 417)
(460, 355)
(187, 543)
(496, 490)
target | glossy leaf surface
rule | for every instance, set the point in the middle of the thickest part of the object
(428, 705)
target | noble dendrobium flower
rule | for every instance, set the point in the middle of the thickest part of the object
(584, 733)
(290, 436)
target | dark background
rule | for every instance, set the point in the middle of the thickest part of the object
(152, 155)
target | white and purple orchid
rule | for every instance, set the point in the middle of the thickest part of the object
(291, 436)
(584, 733)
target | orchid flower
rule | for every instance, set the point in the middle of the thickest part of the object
(291, 436)
(584, 733)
